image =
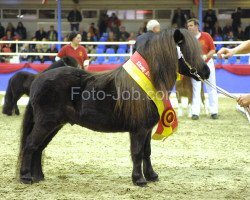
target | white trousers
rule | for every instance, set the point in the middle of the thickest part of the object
(212, 93)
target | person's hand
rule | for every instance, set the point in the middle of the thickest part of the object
(244, 100)
(225, 53)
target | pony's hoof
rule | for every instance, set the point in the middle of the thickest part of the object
(17, 112)
(152, 177)
(7, 113)
(26, 179)
(140, 182)
(38, 178)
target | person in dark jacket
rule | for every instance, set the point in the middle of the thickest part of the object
(2, 31)
(75, 17)
(21, 31)
(153, 26)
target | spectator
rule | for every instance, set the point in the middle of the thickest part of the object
(226, 29)
(39, 49)
(6, 49)
(65, 39)
(90, 48)
(90, 37)
(114, 23)
(142, 29)
(103, 23)
(210, 20)
(247, 32)
(10, 28)
(123, 34)
(230, 37)
(132, 36)
(9, 37)
(75, 50)
(236, 19)
(52, 34)
(2, 31)
(51, 49)
(208, 49)
(240, 35)
(93, 31)
(179, 20)
(45, 45)
(83, 33)
(218, 29)
(153, 26)
(40, 34)
(74, 18)
(24, 49)
(21, 31)
(111, 38)
(32, 47)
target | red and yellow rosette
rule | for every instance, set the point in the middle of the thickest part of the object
(138, 69)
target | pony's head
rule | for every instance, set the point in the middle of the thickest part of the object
(69, 61)
(160, 52)
(63, 62)
(190, 59)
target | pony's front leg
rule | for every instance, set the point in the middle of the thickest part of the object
(17, 112)
(148, 171)
(137, 140)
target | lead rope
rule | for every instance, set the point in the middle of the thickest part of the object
(193, 71)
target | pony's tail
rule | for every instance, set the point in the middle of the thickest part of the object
(8, 100)
(27, 126)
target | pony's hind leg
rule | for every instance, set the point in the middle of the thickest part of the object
(148, 171)
(137, 140)
(36, 170)
(32, 145)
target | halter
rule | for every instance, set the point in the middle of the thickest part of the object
(193, 71)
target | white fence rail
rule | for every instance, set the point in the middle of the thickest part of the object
(18, 53)
(129, 43)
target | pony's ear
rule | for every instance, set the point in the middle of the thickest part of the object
(178, 36)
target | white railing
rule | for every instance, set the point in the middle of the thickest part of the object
(17, 53)
(130, 43)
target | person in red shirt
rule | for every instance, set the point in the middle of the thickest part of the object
(75, 50)
(208, 49)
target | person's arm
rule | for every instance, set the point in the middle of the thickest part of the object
(86, 59)
(240, 49)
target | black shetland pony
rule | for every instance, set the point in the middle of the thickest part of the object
(19, 84)
(91, 100)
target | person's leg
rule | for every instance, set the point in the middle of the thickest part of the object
(72, 27)
(77, 26)
(212, 93)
